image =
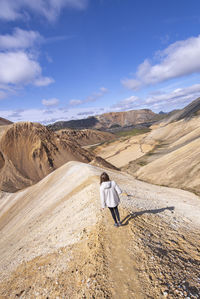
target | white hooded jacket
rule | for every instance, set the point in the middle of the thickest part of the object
(109, 194)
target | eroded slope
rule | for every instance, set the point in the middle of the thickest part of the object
(86, 137)
(29, 151)
(176, 160)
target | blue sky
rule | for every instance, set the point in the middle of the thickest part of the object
(68, 59)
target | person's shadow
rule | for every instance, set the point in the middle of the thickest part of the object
(126, 220)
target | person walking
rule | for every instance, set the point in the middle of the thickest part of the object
(109, 196)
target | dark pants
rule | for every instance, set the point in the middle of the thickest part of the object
(115, 213)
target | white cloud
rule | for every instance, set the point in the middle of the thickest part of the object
(50, 102)
(53, 115)
(20, 39)
(21, 68)
(92, 98)
(126, 104)
(177, 96)
(18, 68)
(103, 90)
(75, 102)
(8, 10)
(50, 9)
(160, 99)
(43, 81)
(179, 59)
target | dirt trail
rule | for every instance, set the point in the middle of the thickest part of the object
(142, 259)
(75, 252)
(122, 265)
(148, 259)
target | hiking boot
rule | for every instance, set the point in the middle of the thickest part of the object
(116, 225)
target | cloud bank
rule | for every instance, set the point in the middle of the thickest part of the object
(127, 103)
(160, 100)
(179, 59)
(177, 96)
(92, 98)
(50, 102)
(11, 10)
(52, 115)
(174, 99)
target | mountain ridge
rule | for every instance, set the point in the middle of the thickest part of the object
(111, 120)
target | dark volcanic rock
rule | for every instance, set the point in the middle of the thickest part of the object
(85, 123)
(4, 122)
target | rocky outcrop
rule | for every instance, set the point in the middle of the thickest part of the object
(86, 136)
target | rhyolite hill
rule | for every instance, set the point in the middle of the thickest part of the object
(112, 121)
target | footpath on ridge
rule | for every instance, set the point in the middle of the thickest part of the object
(69, 249)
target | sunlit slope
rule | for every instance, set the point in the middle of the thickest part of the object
(175, 133)
(54, 237)
(177, 164)
(56, 211)
(51, 214)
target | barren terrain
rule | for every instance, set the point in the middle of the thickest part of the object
(30, 151)
(121, 151)
(55, 242)
(167, 156)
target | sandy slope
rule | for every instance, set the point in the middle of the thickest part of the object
(2, 129)
(168, 155)
(55, 241)
(174, 131)
(176, 162)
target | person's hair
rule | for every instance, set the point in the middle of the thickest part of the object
(104, 177)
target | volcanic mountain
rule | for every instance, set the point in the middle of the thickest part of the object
(30, 151)
(112, 120)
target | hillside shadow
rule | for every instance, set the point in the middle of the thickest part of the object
(126, 220)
